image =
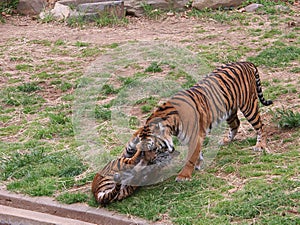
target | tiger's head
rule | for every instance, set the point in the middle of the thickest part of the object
(151, 139)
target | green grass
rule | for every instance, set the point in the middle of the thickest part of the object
(48, 18)
(106, 19)
(271, 33)
(28, 87)
(78, 21)
(287, 118)
(154, 68)
(69, 198)
(255, 32)
(269, 7)
(7, 6)
(220, 16)
(42, 42)
(89, 51)
(277, 56)
(108, 89)
(24, 67)
(150, 12)
(81, 44)
(147, 104)
(37, 148)
(222, 52)
(179, 200)
(295, 70)
(38, 171)
(275, 90)
(101, 20)
(102, 113)
(260, 197)
(20, 99)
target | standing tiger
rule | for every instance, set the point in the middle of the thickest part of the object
(191, 113)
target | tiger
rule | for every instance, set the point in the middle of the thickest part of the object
(108, 184)
(190, 115)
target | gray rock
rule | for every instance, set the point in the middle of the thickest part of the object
(31, 7)
(253, 7)
(214, 4)
(87, 8)
(61, 11)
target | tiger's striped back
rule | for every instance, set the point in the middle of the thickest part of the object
(220, 94)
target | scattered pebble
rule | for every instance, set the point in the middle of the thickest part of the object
(252, 7)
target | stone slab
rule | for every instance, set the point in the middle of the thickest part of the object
(215, 4)
(87, 8)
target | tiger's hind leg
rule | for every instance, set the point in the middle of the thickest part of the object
(234, 124)
(253, 116)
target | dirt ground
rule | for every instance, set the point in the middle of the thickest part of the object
(171, 29)
(179, 30)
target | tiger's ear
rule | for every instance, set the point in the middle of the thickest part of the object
(130, 148)
(96, 181)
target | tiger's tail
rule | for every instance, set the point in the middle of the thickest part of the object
(259, 91)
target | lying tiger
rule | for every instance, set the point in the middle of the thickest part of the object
(190, 114)
(104, 187)
(110, 184)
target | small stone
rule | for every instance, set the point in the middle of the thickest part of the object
(170, 13)
(253, 7)
(293, 24)
(242, 10)
(61, 11)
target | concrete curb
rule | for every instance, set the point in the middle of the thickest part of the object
(45, 209)
(9, 215)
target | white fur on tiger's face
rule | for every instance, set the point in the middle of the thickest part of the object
(149, 140)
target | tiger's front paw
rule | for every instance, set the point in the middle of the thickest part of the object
(180, 178)
(186, 173)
